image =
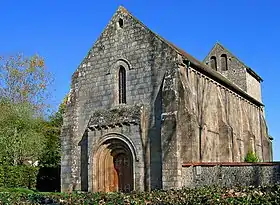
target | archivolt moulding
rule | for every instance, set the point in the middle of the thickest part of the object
(119, 62)
(123, 138)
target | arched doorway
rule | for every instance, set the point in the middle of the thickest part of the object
(113, 167)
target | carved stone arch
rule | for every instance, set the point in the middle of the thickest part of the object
(122, 137)
(119, 62)
(113, 164)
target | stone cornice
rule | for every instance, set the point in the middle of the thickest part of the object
(116, 116)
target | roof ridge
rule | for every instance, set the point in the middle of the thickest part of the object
(123, 9)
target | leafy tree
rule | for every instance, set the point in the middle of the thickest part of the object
(23, 92)
(57, 118)
(49, 172)
(21, 138)
(24, 134)
(24, 80)
(52, 129)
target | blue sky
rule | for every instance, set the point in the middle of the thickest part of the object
(63, 32)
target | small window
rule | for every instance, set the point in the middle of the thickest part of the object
(120, 23)
(224, 65)
(122, 85)
(213, 63)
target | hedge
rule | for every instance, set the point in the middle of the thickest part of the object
(206, 195)
(18, 176)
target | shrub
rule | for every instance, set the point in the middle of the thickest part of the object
(205, 195)
(251, 157)
(18, 176)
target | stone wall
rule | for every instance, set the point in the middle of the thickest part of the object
(122, 122)
(216, 124)
(253, 87)
(230, 174)
(236, 72)
(95, 86)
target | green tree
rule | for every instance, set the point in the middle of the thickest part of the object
(49, 173)
(52, 130)
(21, 137)
(24, 85)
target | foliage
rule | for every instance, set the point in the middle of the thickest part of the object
(50, 156)
(24, 80)
(23, 93)
(18, 176)
(56, 119)
(206, 195)
(25, 137)
(251, 157)
(17, 190)
(49, 173)
(21, 136)
(52, 128)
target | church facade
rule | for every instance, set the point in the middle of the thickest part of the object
(139, 107)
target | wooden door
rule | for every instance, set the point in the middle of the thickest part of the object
(123, 172)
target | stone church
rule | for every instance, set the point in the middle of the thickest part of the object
(139, 107)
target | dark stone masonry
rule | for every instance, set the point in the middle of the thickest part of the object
(230, 174)
(139, 108)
